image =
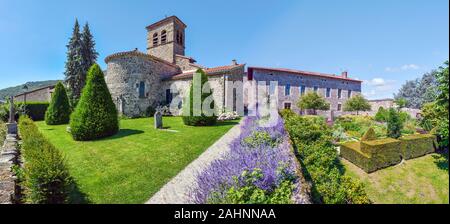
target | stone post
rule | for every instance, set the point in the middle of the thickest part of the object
(158, 120)
(11, 125)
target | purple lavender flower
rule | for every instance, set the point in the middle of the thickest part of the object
(276, 163)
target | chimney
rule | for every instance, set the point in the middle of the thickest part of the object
(234, 62)
(344, 74)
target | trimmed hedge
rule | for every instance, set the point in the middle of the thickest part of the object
(320, 162)
(95, 116)
(378, 154)
(47, 179)
(58, 111)
(418, 145)
(2, 132)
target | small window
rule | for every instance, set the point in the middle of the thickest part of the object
(287, 90)
(287, 106)
(316, 89)
(163, 37)
(339, 107)
(169, 96)
(349, 94)
(302, 90)
(155, 39)
(181, 38)
(328, 92)
(272, 87)
(339, 93)
(142, 90)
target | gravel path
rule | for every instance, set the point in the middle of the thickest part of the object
(176, 191)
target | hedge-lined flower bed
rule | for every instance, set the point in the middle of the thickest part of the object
(313, 141)
(259, 169)
(46, 177)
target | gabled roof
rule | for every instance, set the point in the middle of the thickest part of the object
(168, 19)
(35, 90)
(298, 72)
(208, 71)
(137, 54)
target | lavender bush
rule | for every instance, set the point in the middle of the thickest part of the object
(271, 157)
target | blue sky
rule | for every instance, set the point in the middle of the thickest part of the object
(383, 42)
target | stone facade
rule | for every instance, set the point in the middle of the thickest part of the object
(291, 83)
(39, 95)
(9, 157)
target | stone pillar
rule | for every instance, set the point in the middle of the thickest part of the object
(11, 126)
(158, 120)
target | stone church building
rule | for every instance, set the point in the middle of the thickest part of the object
(138, 80)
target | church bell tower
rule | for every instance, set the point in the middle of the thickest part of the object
(166, 38)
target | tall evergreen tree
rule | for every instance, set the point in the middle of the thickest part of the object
(75, 74)
(89, 53)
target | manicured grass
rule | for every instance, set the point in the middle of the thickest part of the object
(134, 164)
(424, 180)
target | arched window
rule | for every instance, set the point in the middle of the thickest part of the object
(163, 37)
(155, 39)
(142, 90)
(181, 38)
(178, 37)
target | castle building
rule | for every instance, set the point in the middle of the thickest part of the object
(139, 80)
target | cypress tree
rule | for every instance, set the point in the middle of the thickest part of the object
(189, 117)
(394, 125)
(89, 53)
(95, 115)
(75, 74)
(58, 111)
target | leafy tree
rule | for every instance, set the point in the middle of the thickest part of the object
(58, 111)
(381, 115)
(394, 124)
(357, 103)
(313, 101)
(204, 119)
(443, 76)
(401, 103)
(89, 53)
(75, 71)
(419, 91)
(95, 115)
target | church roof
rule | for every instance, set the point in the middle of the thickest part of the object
(168, 19)
(298, 72)
(137, 54)
(209, 71)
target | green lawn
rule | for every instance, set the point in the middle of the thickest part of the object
(424, 180)
(134, 164)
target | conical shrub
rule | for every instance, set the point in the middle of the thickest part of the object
(370, 135)
(189, 117)
(95, 115)
(58, 111)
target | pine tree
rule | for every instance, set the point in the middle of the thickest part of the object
(95, 115)
(58, 111)
(89, 53)
(75, 74)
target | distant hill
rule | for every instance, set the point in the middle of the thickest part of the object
(13, 91)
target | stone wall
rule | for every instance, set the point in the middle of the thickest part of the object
(40, 95)
(170, 48)
(9, 156)
(124, 75)
(322, 83)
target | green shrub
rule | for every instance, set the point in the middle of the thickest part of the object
(95, 115)
(188, 110)
(312, 139)
(381, 115)
(354, 191)
(58, 111)
(414, 146)
(259, 138)
(286, 113)
(252, 194)
(369, 135)
(2, 132)
(435, 116)
(394, 124)
(47, 180)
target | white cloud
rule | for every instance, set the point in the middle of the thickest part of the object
(410, 67)
(378, 88)
(406, 67)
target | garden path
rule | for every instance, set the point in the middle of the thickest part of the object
(176, 191)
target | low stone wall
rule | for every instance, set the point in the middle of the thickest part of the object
(9, 156)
